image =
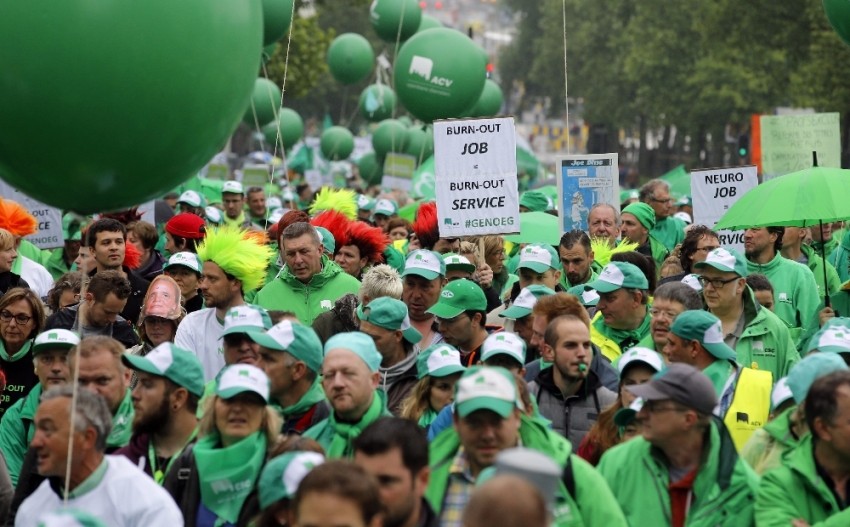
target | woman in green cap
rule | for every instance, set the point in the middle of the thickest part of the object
(279, 482)
(438, 369)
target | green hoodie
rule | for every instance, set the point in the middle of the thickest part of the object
(816, 263)
(795, 490)
(593, 503)
(767, 445)
(795, 290)
(670, 232)
(723, 490)
(307, 301)
(17, 431)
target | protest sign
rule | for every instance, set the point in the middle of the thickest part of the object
(583, 181)
(787, 142)
(255, 176)
(476, 177)
(398, 171)
(218, 171)
(714, 190)
(49, 234)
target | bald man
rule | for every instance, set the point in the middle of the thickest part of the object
(507, 501)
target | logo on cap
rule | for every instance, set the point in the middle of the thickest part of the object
(447, 294)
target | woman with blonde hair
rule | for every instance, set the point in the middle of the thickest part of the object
(8, 253)
(438, 368)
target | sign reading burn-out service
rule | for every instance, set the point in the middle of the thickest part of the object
(714, 190)
(476, 177)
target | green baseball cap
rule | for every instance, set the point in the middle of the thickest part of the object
(618, 275)
(184, 259)
(535, 201)
(427, 264)
(439, 360)
(298, 340)
(833, 337)
(391, 314)
(725, 260)
(179, 366)
(364, 202)
(456, 262)
(587, 297)
(459, 296)
(503, 343)
(525, 301)
(213, 215)
(192, 198)
(241, 378)
(384, 206)
(327, 239)
(643, 212)
(245, 318)
(486, 388)
(358, 343)
(282, 475)
(539, 258)
(55, 339)
(781, 392)
(705, 328)
(626, 416)
(802, 375)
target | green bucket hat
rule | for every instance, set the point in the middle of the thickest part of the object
(245, 318)
(299, 341)
(391, 314)
(724, 260)
(833, 337)
(539, 258)
(241, 378)
(486, 388)
(705, 328)
(439, 360)
(525, 301)
(535, 201)
(358, 343)
(282, 475)
(456, 262)
(53, 339)
(457, 297)
(175, 364)
(618, 275)
(643, 212)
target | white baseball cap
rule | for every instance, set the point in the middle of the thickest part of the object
(186, 259)
(232, 187)
(191, 198)
(643, 355)
(503, 343)
(427, 264)
(240, 378)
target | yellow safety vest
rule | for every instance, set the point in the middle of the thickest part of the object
(750, 405)
(610, 349)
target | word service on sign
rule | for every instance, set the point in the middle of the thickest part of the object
(476, 177)
(714, 190)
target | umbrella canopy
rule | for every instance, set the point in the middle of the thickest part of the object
(537, 227)
(679, 180)
(798, 199)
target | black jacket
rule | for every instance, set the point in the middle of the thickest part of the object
(138, 290)
(120, 330)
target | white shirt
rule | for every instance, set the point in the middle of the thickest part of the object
(37, 277)
(125, 497)
(200, 332)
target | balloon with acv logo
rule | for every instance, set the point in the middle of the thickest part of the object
(148, 93)
(838, 13)
(395, 19)
(264, 100)
(489, 102)
(370, 168)
(350, 58)
(388, 137)
(277, 16)
(439, 74)
(337, 143)
(377, 102)
(290, 126)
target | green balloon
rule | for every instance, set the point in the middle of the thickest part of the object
(337, 143)
(419, 142)
(190, 86)
(350, 58)
(489, 102)
(405, 120)
(389, 137)
(377, 102)
(838, 13)
(389, 17)
(264, 101)
(429, 22)
(268, 51)
(277, 16)
(290, 126)
(439, 73)
(370, 168)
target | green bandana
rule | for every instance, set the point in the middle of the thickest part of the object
(427, 417)
(228, 474)
(345, 433)
(122, 424)
(17, 356)
(314, 395)
(624, 338)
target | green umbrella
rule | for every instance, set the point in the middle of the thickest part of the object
(679, 180)
(537, 227)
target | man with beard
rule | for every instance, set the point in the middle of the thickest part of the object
(669, 301)
(171, 382)
(577, 259)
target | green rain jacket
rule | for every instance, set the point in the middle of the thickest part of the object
(767, 445)
(840, 258)
(307, 301)
(17, 430)
(796, 490)
(670, 231)
(795, 291)
(592, 505)
(723, 491)
(816, 264)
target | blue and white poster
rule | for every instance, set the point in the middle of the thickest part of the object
(583, 181)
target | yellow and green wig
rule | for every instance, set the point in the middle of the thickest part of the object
(240, 253)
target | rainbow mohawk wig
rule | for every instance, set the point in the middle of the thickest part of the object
(336, 223)
(239, 253)
(340, 200)
(16, 219)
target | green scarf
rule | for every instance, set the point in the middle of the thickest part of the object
(427, 417)
(345, 433)
(718, 372)
(625, 338)
(17, 356)
(314, 395)
(122, 424)
(228, 474)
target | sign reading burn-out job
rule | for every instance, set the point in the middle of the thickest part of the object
(584, 181)
(476, 177)
(49, 233)
(714, 190)
(787, 142)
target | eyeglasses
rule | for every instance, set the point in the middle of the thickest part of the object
(716, 283)
(707, 249)
(21, 319)
(658, 313)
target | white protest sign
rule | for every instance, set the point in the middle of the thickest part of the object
(787, 142)
(584, 181)
(398, 171)
(49, 234)
(714, 190)
(476, 177)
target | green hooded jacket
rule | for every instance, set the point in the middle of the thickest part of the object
(795, 490)
(593, 503)
(307, 301)
(723, 491)
(767, 445)
(840, 258)
(670, 231)
(795, 291)
(17, 430)
(816, 264)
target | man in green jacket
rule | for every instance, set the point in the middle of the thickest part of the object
(795, 250)
(309, 282)
(487, 420)
(577, 260)
(810, 487)
(669, 230)
(684, 470)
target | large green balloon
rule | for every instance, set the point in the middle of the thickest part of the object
(264, 100)
(337, 143)
(419, 142)
(439, 73)
(350, 58)
(377, 102)
(389, 137)
(147, 93)
(370, 168)
(388, 17)
(429, 22)
(489, 102)
(838, 13)
(290, 126)
(268, 51)
(277, 16)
